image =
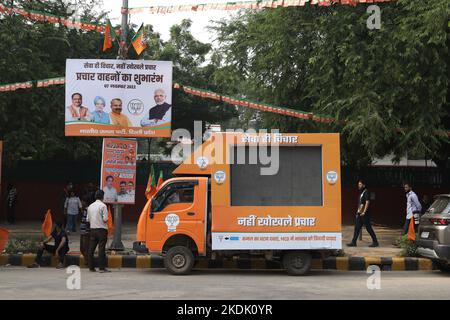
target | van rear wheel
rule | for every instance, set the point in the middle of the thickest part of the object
(179, 260)
(297, 263)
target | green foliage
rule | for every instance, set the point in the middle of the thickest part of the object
(23, 244)
(32, 121)
(409, 248)
(390, 86)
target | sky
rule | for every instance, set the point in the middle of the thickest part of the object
(162, 22)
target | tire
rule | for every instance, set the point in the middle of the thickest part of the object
(179, 260)
(444, 267)
(297, 263)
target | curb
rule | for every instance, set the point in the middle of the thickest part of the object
(156, 262)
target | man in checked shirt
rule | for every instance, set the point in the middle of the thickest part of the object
(413, 206)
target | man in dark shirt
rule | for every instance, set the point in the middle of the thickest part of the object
(158, 113)
(60, 248)
(85, 234)
(363, 216)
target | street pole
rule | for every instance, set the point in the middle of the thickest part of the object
(123, 49)
(117, 238)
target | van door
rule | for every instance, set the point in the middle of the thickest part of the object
(178, 209)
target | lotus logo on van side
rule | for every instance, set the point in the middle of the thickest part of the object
(332, 177)
(172, 220)
(219, 177)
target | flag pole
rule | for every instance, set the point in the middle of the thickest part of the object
(123, 50)
(123, 54)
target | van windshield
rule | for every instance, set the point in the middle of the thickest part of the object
(440, 206)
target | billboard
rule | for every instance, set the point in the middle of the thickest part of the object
(118, 172)
(118, 98)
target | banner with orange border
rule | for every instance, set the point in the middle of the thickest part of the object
(118, 98)
(118, 172)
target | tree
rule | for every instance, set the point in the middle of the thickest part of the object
(32, 121)
(388, 88)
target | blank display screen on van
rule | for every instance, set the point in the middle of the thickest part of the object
(298, 181)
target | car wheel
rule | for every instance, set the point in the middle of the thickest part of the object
(297, 263)
(444, 267)
(179, 260)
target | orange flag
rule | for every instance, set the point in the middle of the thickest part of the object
(47, 224)
(4, 234)
(110, 36)
(142, 223)
(411, 232)
(110, 222)
(151, 184)
(139, 42)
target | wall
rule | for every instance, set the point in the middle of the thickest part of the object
(40, 186)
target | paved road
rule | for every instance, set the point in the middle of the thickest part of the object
(49, 283)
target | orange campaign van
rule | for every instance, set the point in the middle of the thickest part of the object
(271, 195)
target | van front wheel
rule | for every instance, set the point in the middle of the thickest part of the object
(297, 263)
(179, 260)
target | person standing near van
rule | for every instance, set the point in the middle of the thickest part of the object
(413, 206)
(11, 201)
(363, 216)
(97, 216)
(85, 233)
(72, 208)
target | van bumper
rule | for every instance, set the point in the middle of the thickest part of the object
(433, 250)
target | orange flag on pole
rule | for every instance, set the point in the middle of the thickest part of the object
(139, 41)
(151, 184)
(110, 36)
(4, 234)
(411, 231)
(47, 224)
(110, 222)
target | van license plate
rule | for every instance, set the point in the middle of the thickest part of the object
(425, 235)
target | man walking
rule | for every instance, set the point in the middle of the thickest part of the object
(85, 233)
(413, 207)
(97, 216)
(363, 216)
(11, 201)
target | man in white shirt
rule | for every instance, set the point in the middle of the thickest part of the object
(413, 207)
(97, 216)
(109, 190)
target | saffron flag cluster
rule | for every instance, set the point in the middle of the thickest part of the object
(249, 5)
(152, 188)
